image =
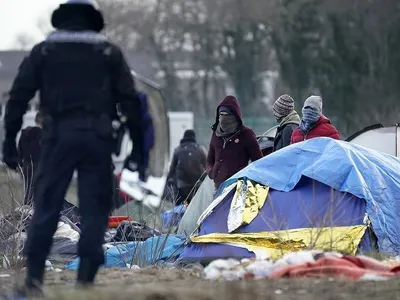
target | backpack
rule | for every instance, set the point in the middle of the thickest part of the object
(190, 163)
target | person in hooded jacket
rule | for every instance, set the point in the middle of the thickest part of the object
(313, 123)
(288, 120)
(232, 143)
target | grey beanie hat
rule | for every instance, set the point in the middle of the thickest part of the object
(283, 106)
(315, 102)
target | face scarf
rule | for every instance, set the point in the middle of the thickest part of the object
(227, 125)
(310, 117)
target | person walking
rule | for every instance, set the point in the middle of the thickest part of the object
(187, 166)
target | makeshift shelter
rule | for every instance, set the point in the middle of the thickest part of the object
(384, 138)
(199, 203)
(321, 193)
(204, 196)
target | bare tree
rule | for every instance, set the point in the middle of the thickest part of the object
(23, 41)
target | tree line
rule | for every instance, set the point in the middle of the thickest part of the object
(346, 51)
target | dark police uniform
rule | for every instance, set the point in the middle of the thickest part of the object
(81, 78)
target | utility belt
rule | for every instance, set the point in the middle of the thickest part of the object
(101, 124)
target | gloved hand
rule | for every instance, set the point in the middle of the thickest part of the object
(10, 153)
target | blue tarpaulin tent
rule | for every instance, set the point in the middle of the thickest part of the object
(308, 182)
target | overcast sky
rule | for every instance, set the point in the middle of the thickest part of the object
(22, 16)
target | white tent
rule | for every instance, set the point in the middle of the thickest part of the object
(384, 138)
(199, 203)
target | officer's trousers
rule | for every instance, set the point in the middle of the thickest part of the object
(63, 152)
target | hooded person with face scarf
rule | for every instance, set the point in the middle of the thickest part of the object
(288, 120)
(232, 144)
(313, 123)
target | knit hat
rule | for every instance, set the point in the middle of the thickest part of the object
(189, 134)
(314, 102)
(283, 106)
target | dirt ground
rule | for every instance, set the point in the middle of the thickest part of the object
(172, 284)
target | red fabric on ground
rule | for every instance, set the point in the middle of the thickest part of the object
(367, 263)
(348, 266)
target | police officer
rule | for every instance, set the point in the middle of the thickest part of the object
(81, 78)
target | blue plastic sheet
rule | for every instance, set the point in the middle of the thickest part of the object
(172, 217)
(367, 174)
(149, 252)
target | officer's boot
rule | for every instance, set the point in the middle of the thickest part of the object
(32, 287)
(86, 273)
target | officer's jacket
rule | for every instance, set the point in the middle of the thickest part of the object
(78, 73)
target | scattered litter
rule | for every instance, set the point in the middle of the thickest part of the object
(279, 292)
(49, 267)
(132, 267)
(317, 264)
(5, 275)
(215, 269)
(373, 277)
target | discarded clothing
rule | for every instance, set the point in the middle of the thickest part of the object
(133, 232)
(352, 267)
(149, 252)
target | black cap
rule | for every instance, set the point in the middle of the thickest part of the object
(189, 134)
(89, 7)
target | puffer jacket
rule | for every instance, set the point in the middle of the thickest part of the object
(322, 128)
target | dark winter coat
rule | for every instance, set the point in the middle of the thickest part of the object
(225, 158)
(105, 78)
(29, 151)
(284, 135)
(322, 128)
(29, 147)
(185, 174)
(148, 131)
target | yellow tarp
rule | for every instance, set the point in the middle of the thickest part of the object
(247, 202)
(276, 243)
